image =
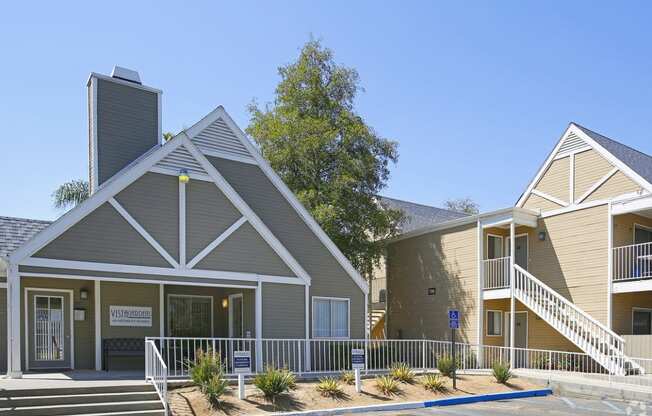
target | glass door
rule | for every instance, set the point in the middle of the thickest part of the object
(49, 330)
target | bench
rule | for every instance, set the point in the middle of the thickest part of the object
(122, 347)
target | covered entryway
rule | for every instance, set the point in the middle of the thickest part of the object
(49, 329)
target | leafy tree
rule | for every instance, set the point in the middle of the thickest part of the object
(466, 205)
(70, 194)
(332, 160)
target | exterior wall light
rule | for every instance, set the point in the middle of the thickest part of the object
(542, 236)
(83, 294)
(225, 303)
(183, 176)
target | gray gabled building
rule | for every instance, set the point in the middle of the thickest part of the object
(193, 237)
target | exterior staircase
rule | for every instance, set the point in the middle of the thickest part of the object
(378, 324)
(595, 339)
(127, 400)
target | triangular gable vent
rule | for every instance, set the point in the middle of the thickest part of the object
(218, 139)
(180, 159)
(571, 144)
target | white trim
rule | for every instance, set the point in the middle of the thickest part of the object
(489, 294)
(632, 203)
(642, 285)
(640, 309)
(527, 328)
(220, 238)
(480, 265)
(501, 322)
(71, 344)
(161, 307)
(175, 172)
(226, 188)
(231, 297)
(159, 111)
(160, 271)
(572, 208)
(229, 156)
(502, 245)
(97, 309)
(94, 180)
(132, 281)
(571, 178)
(14, 360)
(294, 202)
(182, 224)
(177, 295)
(3, 285)
(139, 228)
(122, 82)
(259, 326)
(596, 185)
(610, 255)
(348, 322)
(550, 198)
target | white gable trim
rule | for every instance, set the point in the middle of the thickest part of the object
(550, 198)
(596, 185)
(601, 150)
(206, 251)
(294, 202)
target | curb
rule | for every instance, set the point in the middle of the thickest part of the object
(430, 403)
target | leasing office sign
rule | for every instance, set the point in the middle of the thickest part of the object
(140, 316)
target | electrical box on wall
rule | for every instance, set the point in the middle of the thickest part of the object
(80, 314)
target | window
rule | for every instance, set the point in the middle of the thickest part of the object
(642, 321)
(382, 296)
(494, 323)
(494, 246)
(642, 234)
(330, 318)
(190, 316)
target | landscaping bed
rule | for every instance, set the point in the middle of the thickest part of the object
(188, 401)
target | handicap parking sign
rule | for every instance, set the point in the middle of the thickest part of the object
(454, 319)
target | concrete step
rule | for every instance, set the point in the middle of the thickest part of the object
(35, 400)
(61, 391)
(136, 407)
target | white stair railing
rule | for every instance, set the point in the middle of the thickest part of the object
(156, 372)
(591, 336)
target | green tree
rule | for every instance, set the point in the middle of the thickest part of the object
(70, 194)
(325, 152)
(466, 205)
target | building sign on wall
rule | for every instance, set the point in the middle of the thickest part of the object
(130, 316)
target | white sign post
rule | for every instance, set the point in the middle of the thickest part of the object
(357, 363)
(241, 366)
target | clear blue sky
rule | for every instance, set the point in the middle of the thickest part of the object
(476, 93)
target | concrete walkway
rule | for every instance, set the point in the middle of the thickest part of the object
(78, 378)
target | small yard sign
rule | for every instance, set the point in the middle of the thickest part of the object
(454, 319)
(357, 359)
(242, 362)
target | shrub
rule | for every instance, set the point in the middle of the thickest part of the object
(207, 372)
(215, 388)
(273, 382)
(446, 366)
(329, 387)
(433, 382)
(348, 377)
(501, 372)
(402, 372)
(387, 385)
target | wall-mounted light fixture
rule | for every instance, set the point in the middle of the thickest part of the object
(83, 294)
(183, 176)
(225, 303)
(542, 236)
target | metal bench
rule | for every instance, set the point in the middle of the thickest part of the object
(122, 347)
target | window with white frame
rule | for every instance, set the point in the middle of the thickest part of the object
(330, 317)
(494, 246)
(494, 323)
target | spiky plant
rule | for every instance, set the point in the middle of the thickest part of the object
(70, 194)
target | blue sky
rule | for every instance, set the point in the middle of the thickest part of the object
(476, 93)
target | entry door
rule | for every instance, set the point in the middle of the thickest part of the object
(520, 337)
(235, 316)
(50, 336)
(521, 250)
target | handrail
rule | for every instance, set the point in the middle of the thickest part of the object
(567, 302)
(631, 262)
(496, 273)
(156, 371)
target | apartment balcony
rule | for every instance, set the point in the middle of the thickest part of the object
(632, 268)
(496, 278)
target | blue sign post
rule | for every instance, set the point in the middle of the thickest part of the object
(453, 324)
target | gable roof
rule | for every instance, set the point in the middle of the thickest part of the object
(14, 232)
(419, 216)
(639, 162)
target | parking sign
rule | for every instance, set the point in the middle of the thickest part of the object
(454, 319)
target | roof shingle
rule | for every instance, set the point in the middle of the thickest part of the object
(16, 231)
(420, 216)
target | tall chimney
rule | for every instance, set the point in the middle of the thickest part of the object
(124, 122)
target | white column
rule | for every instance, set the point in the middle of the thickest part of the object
(98, 324)
(14, 369)
(480, 300)
(610, 260)
(259, 326)
(307, 346)
(512, 308)
(161, 312)
(182, 224)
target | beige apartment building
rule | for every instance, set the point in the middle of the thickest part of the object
(577, 278)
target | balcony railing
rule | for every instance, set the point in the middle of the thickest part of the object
(632, 262)
(496, 273)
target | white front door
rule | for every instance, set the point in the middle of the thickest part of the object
(49, 329)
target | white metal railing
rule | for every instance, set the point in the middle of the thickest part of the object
(496, 273)
(156, 372)
(591, 336)
(632, 262)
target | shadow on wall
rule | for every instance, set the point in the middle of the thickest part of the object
(420, 266)
(544, 263)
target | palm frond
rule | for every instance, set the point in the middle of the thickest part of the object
(70, 194)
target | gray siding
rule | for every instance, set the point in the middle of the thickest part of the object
(127, 126)
(245, 251)
(153, 201)
(283, 311)
(3, 331)
(328, 277)
(208, 214)
(84, 330)
(103, 236)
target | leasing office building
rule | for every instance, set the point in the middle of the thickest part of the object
(196, 237)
